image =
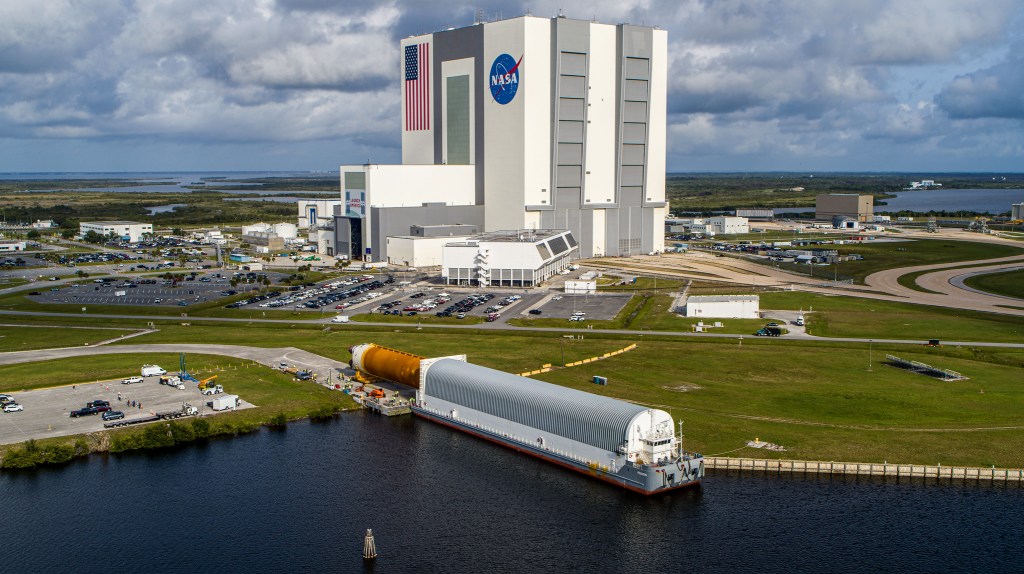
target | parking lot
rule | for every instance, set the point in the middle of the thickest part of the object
(602, 307)
(146, 291)
(47, 411)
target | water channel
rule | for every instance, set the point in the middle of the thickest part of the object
(300, 499)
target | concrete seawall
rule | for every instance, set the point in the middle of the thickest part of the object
(987, 474)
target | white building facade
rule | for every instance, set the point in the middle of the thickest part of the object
(546, 123)
(124, 230)
(723, 306)
(522, 258)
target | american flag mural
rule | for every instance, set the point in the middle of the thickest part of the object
(417, 87)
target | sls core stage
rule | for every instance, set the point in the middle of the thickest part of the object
(629, 445)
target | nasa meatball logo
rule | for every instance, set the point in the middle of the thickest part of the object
(504, 80)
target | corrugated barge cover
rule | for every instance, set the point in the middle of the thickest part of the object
(584, 417)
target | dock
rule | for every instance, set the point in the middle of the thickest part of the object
(960, 473)
(389, 409)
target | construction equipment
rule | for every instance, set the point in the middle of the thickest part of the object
(203, 384)
(377, 394)
(172, 381)
(183, 372)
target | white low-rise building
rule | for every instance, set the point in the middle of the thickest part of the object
(12, 245)
(125, 230)
(725, 225)
(723, 306)
(581, 287)
(415, 251)
(523, 258)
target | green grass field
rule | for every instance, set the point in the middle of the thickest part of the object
(853, 317)
(818, 399)
(879, 256)
(25, 338)
(1010, 284)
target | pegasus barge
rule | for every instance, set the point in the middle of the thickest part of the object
(628, 445)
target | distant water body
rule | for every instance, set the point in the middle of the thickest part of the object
(992, 201)
(173, 182)
(300, 500)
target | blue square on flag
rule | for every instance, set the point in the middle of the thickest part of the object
(412, 68)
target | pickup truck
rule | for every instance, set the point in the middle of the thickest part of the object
(131, 380)
(84, 412)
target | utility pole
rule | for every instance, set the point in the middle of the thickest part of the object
(869, 354)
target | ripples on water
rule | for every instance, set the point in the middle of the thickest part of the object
(299, 500)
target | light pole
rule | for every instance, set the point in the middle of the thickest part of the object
(869, 354)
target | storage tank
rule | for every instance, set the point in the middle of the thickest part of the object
(396, 366)
(286, 230)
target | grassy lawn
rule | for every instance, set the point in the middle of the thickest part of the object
(818, 399)
(821, 403)
(853, 317)
(8, 282)
(1010, 283)
(25, 338)
(879, 256)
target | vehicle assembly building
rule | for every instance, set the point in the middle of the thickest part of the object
(525, 123)
(629, 445)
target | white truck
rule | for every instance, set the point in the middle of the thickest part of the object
(224, 402)
(172, 381)
(131, 380)
(340, 319)
(153, 371)
(213, 390)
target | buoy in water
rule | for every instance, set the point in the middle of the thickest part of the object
(369, 547)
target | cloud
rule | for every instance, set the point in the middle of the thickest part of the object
(995, 92)
(766, 82)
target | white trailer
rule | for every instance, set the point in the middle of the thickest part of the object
(224, 402)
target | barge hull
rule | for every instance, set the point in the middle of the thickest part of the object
(607, 476)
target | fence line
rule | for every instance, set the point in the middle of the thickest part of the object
(991, 474)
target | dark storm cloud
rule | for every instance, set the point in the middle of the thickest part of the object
(996, 92)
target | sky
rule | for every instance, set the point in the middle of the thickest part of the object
(754, 85)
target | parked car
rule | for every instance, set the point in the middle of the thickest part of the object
(535, 311)
(99, 403)
(83, 412)
(6, 399)
(13, 408)
(113, 415)
(131, 380)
